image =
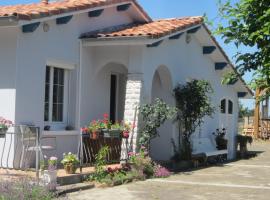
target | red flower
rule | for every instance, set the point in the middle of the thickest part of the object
(105, 116)
(84, 130)
(126, 134)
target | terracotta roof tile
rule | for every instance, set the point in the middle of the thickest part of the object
(155, 29)
(39, 10)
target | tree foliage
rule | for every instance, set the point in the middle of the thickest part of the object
(193, 104)
(247, 24)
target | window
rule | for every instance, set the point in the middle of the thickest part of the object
(230, 107)
(223, 106)
(54, 104)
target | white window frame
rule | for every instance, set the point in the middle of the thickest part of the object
(64, 122)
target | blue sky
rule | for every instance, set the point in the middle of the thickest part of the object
(175, 8)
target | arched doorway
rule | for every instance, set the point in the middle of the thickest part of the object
(104, 92)
(161, 147)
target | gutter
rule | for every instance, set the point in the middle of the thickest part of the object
(9, 21)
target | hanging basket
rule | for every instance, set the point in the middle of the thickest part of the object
(3, 132)
(111, 133)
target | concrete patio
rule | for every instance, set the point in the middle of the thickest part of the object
(244, 179)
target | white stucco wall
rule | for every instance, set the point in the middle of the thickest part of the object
(8, 41)
(185, 62)
(59, 43)
(23, 85)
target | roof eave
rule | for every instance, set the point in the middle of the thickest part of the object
(110, 41)
(131, 40)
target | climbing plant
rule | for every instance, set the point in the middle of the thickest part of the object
(193, 104)
(154, 115)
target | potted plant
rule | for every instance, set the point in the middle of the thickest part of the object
(4, 125)
(221, 142)
(70, 162)
(242, 141)
(49, 173)
(95, 129)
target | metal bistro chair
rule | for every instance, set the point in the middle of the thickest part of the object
(31, 144)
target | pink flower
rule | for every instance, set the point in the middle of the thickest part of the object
(106, 115)
(53, 158)
(126, 134)
(131, 154)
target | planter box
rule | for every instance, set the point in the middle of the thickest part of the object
(112, 133)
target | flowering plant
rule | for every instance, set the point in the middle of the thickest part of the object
(52, 163)
(161, 172)
(107, 124)
(4, 123)
(70, 159)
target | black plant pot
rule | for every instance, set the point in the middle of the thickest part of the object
(3, 132)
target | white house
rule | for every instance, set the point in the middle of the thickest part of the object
(64, 63)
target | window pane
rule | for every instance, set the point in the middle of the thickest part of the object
(223, 106)
(47, 94)
(230, 109)
(58, 76)
(58, 95)
(46, 112)
(57, 112)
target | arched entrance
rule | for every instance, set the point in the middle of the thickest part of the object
(104, 92)
(113, 77)
(161, 147)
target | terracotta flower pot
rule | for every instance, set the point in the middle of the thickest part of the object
(95, 135)
(70, 168)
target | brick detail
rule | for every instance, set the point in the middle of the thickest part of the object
(132, 101)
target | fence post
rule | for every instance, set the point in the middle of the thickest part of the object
(37, 152)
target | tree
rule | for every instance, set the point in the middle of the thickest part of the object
(248, 24)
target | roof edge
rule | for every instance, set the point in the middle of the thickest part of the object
(16, 18)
